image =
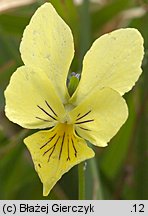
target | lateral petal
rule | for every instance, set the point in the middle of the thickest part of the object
(56, 151)
(31, 100)
(99, 117)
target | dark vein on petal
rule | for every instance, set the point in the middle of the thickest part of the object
(82, 122)
(48, 141)
(84, 128)
(39, 165)
(46, 112)
(62, 145)
(53, 148)
(68, 158)
(51, 152)
(74, 147)
(48, 150)
(83, 115)
(51, 108)
(45, 120)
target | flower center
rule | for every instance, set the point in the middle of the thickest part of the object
(51, 116)
(62, 137)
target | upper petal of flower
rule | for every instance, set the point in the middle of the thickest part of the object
(99, 116)
(56, 151)
(47, 43)
(31, 100)
(114, 61)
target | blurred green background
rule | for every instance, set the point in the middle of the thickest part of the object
(119, 171)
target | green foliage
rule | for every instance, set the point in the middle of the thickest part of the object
(119, 169)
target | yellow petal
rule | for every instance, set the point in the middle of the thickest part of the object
(31, 100)
(47, 43)
(56, 151)
(99, 117)
(114, 61)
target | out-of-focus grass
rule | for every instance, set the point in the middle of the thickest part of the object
(122, 166)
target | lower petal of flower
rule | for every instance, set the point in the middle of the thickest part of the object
(55, 151)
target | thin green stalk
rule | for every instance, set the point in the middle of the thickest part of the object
(84, 45)
(81, 177)
(85, 30)
(93, 185)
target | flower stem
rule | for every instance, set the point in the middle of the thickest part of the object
(85, 38)
(81, 181)
(85, 30)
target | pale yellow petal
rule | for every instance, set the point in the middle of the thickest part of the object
(47, 43)
(99, 117)
(31, 100)
(56, 151)
(114, 61)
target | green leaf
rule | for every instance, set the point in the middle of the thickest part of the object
(13, 24)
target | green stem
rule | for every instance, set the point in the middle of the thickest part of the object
(84, 45)
(85, 30)
(81, 181)
(94, 189)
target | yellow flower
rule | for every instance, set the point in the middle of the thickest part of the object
(37, 96)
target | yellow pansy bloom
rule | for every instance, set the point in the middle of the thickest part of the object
(37, 95)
